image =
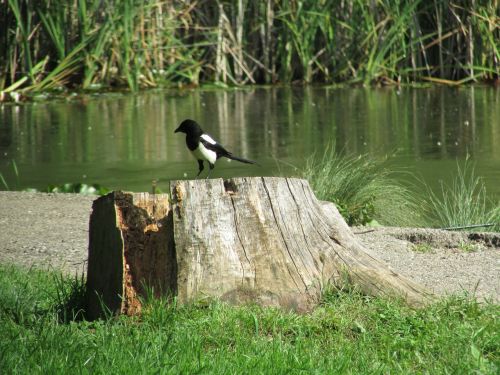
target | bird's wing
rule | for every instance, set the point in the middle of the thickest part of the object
(212, 145)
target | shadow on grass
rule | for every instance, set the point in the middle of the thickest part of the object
(70, 301)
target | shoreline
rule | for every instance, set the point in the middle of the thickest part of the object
(22, 96)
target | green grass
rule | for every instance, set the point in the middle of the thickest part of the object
(463, 202)
(348, 333)
(366, 192)
(422, 247)
(468, 247)
(362, 188)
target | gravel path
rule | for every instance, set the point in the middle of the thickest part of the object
(51, 230)
(42, 230)
(445, 262)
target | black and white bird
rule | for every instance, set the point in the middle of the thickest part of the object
(203, 147)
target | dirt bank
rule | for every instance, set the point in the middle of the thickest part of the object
(51, 230)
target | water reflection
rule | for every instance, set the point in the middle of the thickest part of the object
(126, 141)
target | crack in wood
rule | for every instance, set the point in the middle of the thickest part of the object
(318, 208)
(177, 199)
(241, 242)
(284, 239)
(311, 224)
(321, 235)
(308, 247)
(230, 187)
(348, 261)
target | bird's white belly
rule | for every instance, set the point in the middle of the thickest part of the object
(202, 153)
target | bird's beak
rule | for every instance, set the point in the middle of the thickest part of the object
(177, 130)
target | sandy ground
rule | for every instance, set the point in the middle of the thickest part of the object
(51, 230)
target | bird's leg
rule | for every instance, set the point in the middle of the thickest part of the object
(210, 171)
(200, 166)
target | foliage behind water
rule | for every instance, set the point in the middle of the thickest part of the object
(142, 43)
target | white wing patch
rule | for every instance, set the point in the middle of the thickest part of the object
(207, 138)
(202, 153)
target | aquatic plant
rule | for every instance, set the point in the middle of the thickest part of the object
(363, 190)
(139, 43)
(463, 203)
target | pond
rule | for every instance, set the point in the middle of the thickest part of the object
(124, 141)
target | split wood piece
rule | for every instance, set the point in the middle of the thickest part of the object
(267, 240)
(131, 252)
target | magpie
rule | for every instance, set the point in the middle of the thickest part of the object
(203, 147)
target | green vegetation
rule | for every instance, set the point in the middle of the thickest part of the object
(422, 247)
(94, 189)
(465, 246)
(348, 333)
(362, 188)
(75, 187)
(365, 192)
(463, 203)
(468, 247)
(138, 43)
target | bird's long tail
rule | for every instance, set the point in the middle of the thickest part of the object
(232, 157)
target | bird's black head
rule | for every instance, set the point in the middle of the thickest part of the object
(189, 127)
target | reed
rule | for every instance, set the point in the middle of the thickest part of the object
(140, 43)
(463, 202)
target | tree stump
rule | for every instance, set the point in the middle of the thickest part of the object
(266, 240)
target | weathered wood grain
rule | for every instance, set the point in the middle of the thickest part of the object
(131, 252)
(266, 240)
(271, 241)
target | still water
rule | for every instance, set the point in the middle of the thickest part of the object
(124, 141)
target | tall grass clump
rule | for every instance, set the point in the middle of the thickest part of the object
(463, 202)
(362, 188)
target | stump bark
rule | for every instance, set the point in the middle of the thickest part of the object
(264, 239)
